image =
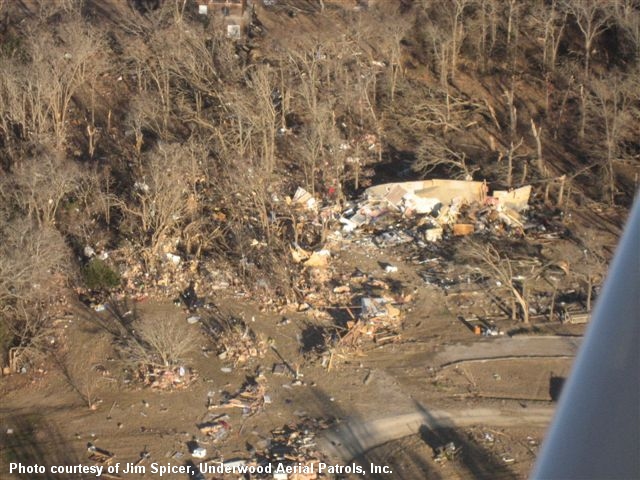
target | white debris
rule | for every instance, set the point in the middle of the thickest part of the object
(175, 259)
(143, 187)
(433, 234)
(302, 197)
(420, 205)
(199, 452)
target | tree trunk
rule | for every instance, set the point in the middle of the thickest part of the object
(537, 133)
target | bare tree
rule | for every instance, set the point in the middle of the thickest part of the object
(39, 186)
(30, 330)
(65, 69)
(439, 112)
(24, 111)
(457, 32)
(433, 153)
(513, 7)
(551, 20)
(440, 119)
(446, 40)
(160, 196)
(388, 40)
(592, 18)
(145, 115)
(511, 155)
(34, 263)
(483, 27)
(152, 64)
(314, 145)
(83, 377)
(30, 257)
(628, 16)
(536, 130)
(258, 109)
(612, 100)
(500, 268)
(513, 111)
(38, 87)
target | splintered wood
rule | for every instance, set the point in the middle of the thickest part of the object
(236, 341)
(379, 321)
(250, 398)
(167, 379)
(99, 456)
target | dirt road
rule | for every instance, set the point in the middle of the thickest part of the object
(356, 436)
(509, 347)
(353, 438)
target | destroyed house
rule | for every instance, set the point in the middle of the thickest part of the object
(227, 13)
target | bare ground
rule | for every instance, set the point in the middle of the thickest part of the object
(379, 395)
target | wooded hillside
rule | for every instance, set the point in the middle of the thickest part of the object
(141, 133)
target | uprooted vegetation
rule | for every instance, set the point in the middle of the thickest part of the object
(174, 153)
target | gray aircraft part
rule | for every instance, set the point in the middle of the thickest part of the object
(595, 433)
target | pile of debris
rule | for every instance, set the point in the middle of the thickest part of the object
(289, 453)
(166, 378)
(250, 398)
(235, 340)
(295, 445)
(140, 280)
(371, 303)
(217, 429)
(446, 452)
(437, 207)
(421, 213)
(379, 321)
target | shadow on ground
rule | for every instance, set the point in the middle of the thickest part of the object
(33, 441)
(413, 459)
(414, 462)
(474, 459)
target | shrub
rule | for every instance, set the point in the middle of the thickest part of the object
(100, 276)
(161, 342)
